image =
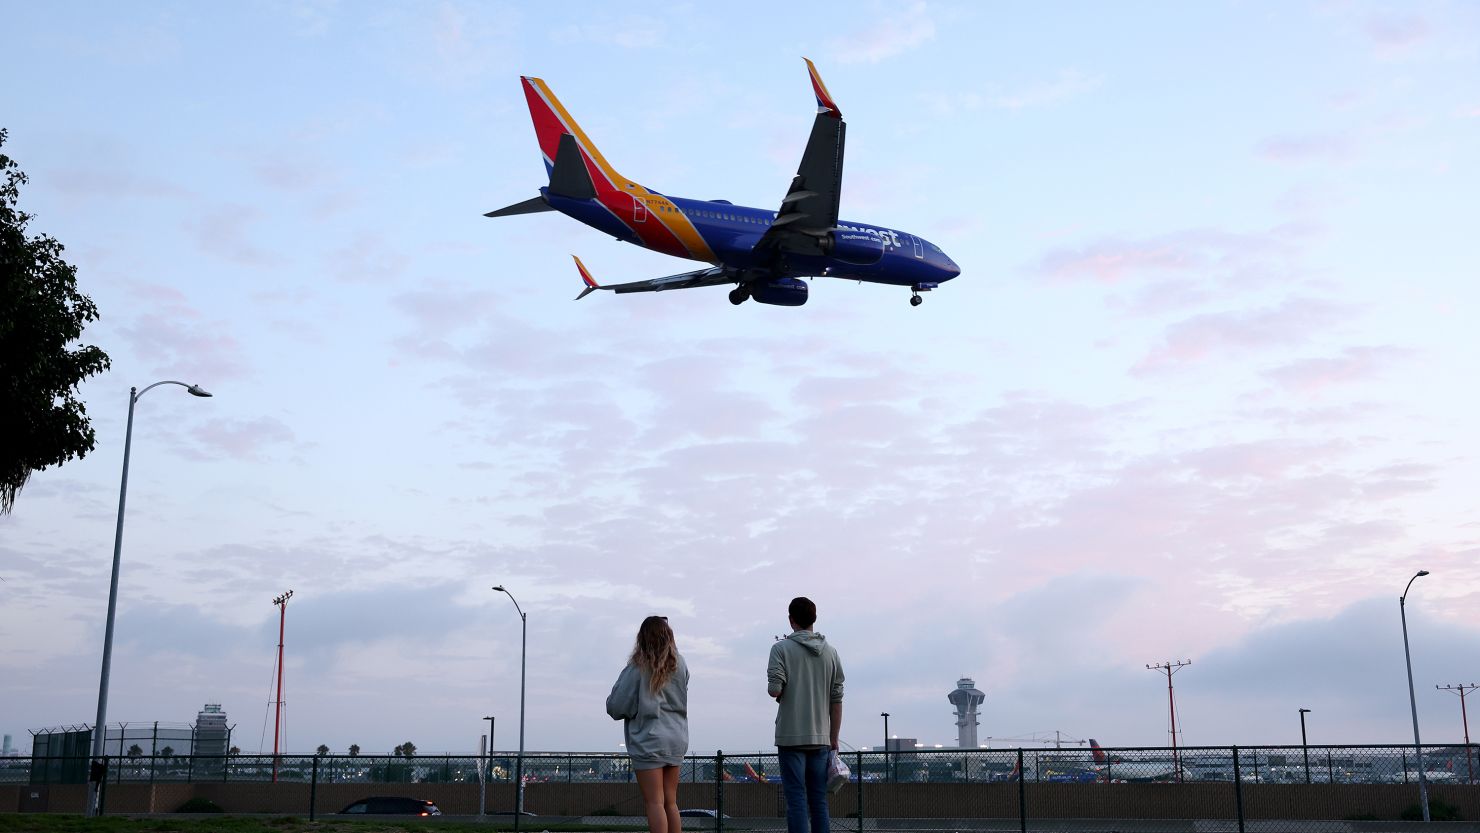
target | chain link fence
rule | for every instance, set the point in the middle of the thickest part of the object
(1322, 789)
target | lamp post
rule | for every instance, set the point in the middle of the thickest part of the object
(1423, 786)
(1304, 748)
(884, 715)
(487, 772)
(519, 761)
(100, 727)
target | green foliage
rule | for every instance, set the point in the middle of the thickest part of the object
(41, 312)
(1439, 810)
(322, 750)
(199, 805)
(354, 749)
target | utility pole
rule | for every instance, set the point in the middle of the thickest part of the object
(1462, 689)
(1171, 668)
(281, 602)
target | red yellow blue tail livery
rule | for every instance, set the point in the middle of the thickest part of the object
(764, 255)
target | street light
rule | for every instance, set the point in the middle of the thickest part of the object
(519, 761)
(487, 771)
(1304, 749)
(884, 715)
(1423, 787)
(99, 727)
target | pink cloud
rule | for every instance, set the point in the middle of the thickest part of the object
(1308, 148)
(1356, 364)
(223, 232)
(1395, 33)
(1226, 334)
(240, 439)
(1182, 263)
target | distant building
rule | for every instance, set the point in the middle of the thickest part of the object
(6, 750)
(901, 744)
(212, 737)
(966, 698)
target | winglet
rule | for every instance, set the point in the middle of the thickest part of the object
(591, 284)
(825, 103)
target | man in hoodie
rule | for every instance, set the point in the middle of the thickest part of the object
(806, 678)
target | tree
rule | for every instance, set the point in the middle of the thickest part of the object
(135, 751)
(354, 750)
(397, 751)
(408, 750)
(235, 750)
(41, 312)
(167, 752)
(322, 750)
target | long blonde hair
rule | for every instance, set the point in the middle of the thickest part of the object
(655, 652)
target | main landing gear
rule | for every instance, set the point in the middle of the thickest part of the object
(916, 300)
(739, 295)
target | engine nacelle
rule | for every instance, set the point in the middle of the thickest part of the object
(782, 292)
(856, 247)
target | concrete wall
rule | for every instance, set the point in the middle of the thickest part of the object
(748, 800)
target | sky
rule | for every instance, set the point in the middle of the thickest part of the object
(1205, 388)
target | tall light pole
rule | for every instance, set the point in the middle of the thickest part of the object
(519, 761)
(1423, 785)
(1462, 689)
(100, 727)
(487, 772)
(1171, 668)
(884, 715)
(1304, 748)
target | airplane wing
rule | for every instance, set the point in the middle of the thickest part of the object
(712, 276)
(809, 211)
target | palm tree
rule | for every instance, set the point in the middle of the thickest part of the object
(354, 749)
(408, 750)
(235, 750)
(167, 752)
(135, 751)
(322, 750)
(397, 751)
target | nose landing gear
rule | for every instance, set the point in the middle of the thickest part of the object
(739, 295)
(915, 299)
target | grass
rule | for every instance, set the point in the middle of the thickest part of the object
(58, 823)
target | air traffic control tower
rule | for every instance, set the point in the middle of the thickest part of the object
(966, 698)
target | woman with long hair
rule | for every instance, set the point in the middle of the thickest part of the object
(651, 697)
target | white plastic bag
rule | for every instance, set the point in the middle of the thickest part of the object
(838, 773)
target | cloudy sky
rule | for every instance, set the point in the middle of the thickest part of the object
(1206, 387)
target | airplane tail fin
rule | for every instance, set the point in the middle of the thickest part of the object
(591, 284)
(552, 122)
(755, 776)
(1094, 748)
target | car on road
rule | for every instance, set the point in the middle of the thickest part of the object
(384, 805)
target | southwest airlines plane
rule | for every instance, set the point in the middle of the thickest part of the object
(764, 254)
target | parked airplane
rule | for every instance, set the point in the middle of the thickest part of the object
(765, 254)
(1122, 770)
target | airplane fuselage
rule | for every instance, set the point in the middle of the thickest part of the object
(731, 233)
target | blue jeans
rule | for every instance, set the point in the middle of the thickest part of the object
(804, 783)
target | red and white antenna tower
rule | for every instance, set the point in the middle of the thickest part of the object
(277, 722)
(1171, 668)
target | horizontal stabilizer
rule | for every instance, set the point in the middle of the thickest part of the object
(569, 177)
(533, 205)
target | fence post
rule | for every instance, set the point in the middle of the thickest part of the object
(1238, 790)
(857, 773)
(1405, 766)
(313, 790)
(719, 790)
(1022, 793)
(1330, 769)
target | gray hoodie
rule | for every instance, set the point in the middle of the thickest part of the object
(656, 722)
(808, 675)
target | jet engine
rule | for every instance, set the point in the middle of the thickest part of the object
(782, 292)
(856, 247)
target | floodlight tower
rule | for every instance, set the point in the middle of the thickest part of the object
(966, 698)
(281, 602)
(1171, 668)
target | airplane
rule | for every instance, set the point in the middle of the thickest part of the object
(764, 254)
(1123, 771)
